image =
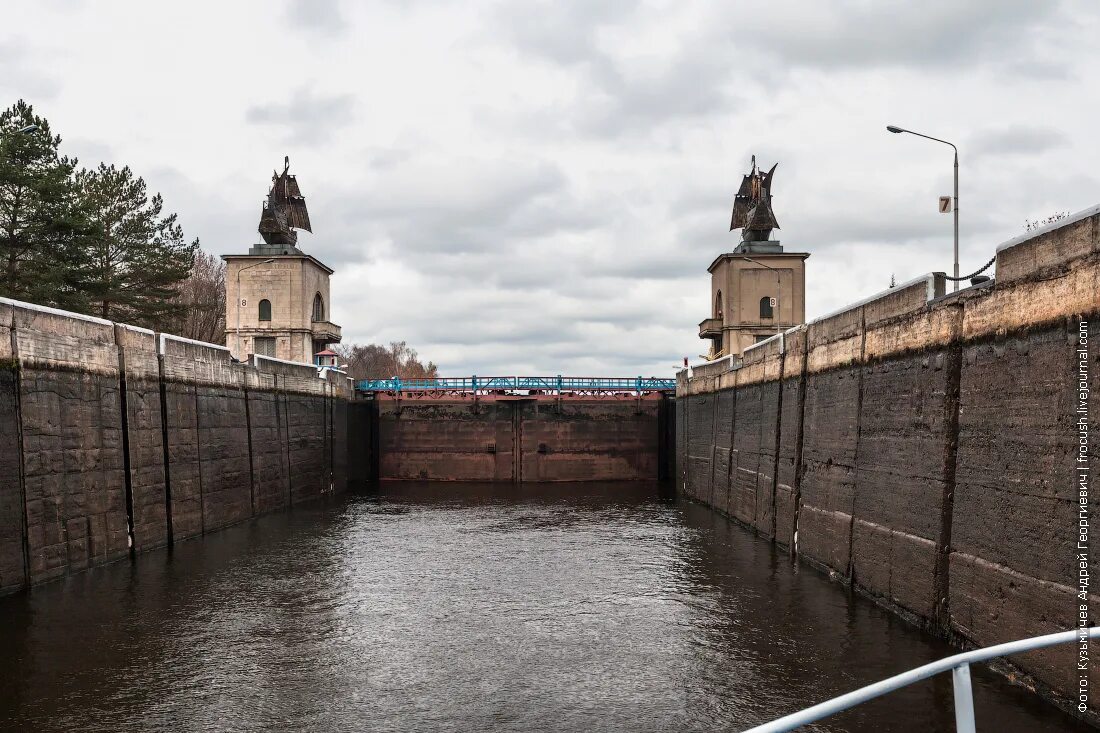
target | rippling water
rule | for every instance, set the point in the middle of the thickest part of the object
(432, 607)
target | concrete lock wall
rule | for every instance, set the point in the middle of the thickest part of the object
(922, 446)
(115, 440)
(496, 438)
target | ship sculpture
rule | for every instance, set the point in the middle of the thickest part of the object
(284, 210)
(752, 207)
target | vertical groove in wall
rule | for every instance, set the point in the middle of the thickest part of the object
(251, 461)
(860, 367)
(17, 387)
(683, 469)
(951, 400)
(325, 464)
(713, 442)
(778, 431)
(127, 478)
(375, 441)
(517, 442)
(662, 438)
(330, 399)
(799, 437)
(164, 446)
(279, 394)
(731, 459)
(198, 460)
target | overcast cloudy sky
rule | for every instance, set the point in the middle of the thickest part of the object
(538, 187)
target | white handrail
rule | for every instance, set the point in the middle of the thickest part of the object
(958, 664)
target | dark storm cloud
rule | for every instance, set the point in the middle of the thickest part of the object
(306, 116)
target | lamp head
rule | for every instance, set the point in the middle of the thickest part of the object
(28, 129)
(894, 129)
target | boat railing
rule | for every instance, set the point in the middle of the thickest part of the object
(958, 665)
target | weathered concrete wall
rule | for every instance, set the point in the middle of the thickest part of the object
(13, 574)
(115, 440)
(310, 417)
(363, 442)
(70, 411)
(541, 438)
(208, 438)
(270, 446)
(143, 435)
(926, 445)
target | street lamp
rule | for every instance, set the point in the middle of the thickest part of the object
(778, 287)
(28, 129)
(264, 262)
(895, 129)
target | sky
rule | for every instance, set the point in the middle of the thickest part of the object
(538, 187)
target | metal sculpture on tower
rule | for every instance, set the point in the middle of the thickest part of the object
(752, 207)
(284, 210)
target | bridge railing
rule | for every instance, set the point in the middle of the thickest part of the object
(958, 665)
(556, 384)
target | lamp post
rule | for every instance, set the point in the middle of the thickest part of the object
(778, 286)
(895, 129)
(257, 264)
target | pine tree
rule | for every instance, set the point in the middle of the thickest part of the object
(41, 223)
(137, 257)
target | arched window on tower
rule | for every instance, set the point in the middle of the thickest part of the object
(318, 307)
(766, 307)
(718, 305)
(265, 310)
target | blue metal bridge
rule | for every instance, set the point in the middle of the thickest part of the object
(516, 385)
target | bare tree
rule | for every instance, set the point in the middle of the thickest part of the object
(1056, 216)
(201, 301)
(372, 361)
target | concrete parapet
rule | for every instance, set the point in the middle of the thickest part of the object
(903, 299)
(917, 331)
(47, 338)
(194, 362)
(1055, 245)
(1030, 303)
(296, 375)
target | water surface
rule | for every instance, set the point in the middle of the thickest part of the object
(439, 607)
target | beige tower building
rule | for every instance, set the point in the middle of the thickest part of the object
(278, 305)
(757, 289)
(277, 296)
